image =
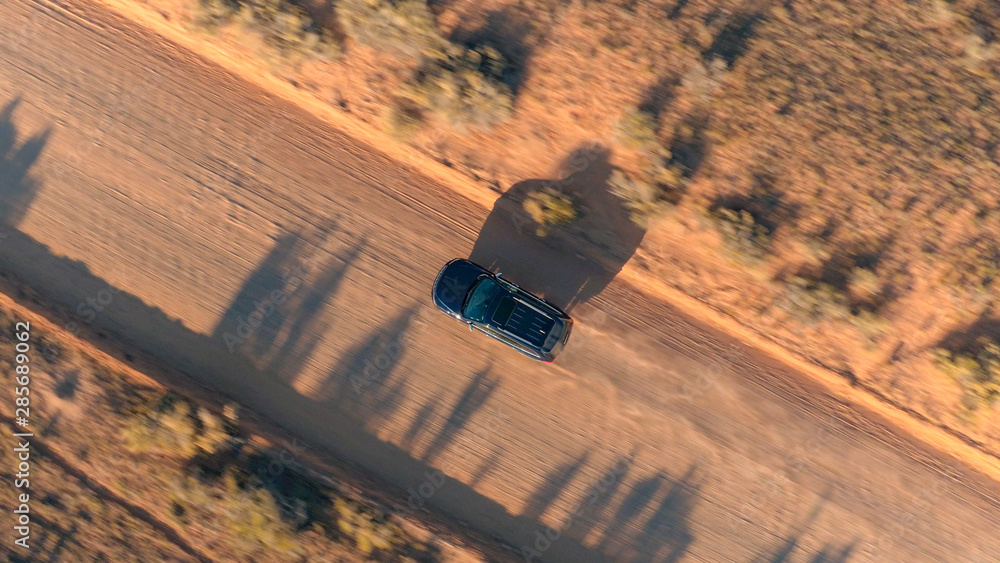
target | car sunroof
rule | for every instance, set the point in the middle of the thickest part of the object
(504, 309)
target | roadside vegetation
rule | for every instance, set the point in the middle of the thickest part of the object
(826, 174)
(977, 370)
(744, 236)
(402, 28)
(549, 208)
(164, 477)
(461, 87)
(284, 27)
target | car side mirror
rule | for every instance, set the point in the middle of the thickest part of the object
(499, 274)
(471, 328)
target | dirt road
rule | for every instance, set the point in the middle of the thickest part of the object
(271, 257)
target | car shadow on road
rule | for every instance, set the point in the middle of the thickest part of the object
(573, 263)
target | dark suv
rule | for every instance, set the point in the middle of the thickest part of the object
(501, 309)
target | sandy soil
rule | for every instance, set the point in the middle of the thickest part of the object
(582, 65)
(162, 199)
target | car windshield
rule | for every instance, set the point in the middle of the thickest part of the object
(479, 299)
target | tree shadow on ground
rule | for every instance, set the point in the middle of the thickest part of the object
(552, 487)
(156, 338)
(18, 188)
(419, 423)
(570, 264)
(486, 467)
(361, 384)
(969, 338)
(675, 11)
(308, 325)
(240, 330)
(511, 32)
(766, 203)
(732, 40)
(663, 535)
(690, 145)
(277, 316)
(832, 554)
(324, 13)
(301, 500)
(651, 522)
(598, 497)
(828, 554)
(658, 96)
(475, 395)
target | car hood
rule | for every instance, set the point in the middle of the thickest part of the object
(453, 282)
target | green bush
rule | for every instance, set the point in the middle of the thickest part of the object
(256, 517)
(977, 371)
(249, 512)
(549, 208)
(974, 266)
(637, 130)
(747, 239)
(214, 13)
(811, 301)
(176, 427)
(370, 531)
(403, 28)
(285, 27)
(288, 30)
(865, 286)
(403, 119)
(463, 87)
(651, 195)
